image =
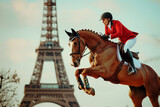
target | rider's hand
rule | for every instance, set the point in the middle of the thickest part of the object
(105, 37)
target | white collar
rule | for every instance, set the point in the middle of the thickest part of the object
(109, 25)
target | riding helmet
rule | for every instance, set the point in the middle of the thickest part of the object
(106, 15)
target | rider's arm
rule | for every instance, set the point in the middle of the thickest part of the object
(106, 30)
(118, 27)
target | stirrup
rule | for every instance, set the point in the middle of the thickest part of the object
(131, 71)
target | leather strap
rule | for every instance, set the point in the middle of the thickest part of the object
(114, 77)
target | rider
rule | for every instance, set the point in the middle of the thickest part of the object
(114, 29)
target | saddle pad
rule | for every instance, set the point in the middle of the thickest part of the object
(135, 61)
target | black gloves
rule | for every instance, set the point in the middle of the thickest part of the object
(105, 37)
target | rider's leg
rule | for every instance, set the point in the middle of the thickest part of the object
(130, 60)
(129, 44)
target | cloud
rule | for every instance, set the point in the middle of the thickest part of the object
(76, 16)
(85, 18)
(28, 12)
(156, 1)
(82, 15)
(19, 49)
(18, 14)
(148, 47)
(107, 5)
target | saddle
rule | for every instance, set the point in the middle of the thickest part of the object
(121, 46)
(114, 78)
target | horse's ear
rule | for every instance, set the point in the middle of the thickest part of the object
(68, 33)
(74, 32)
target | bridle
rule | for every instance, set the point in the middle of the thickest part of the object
(74, 35)
(79, 47)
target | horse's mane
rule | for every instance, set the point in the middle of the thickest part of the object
(96, 33)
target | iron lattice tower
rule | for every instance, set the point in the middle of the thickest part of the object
(61, 93)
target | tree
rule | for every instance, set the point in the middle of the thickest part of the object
(8, 88)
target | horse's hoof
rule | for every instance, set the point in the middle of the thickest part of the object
(90, 91)
(80, 87)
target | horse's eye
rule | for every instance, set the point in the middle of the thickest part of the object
(75, 43)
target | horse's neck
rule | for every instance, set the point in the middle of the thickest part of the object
(94, 42)
(91, 39)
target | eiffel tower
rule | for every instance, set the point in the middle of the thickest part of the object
(61, 93)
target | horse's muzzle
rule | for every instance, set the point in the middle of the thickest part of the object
(75, 64)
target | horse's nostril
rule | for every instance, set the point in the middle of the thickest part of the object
(75, 64)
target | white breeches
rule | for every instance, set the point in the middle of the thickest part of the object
(129, 44)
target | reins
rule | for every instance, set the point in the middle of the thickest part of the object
(102, 50)
(92, 50)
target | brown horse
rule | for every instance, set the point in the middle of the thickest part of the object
(104, 64)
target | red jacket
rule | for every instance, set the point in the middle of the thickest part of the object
(120, 31)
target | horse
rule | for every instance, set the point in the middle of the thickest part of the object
(104, 64)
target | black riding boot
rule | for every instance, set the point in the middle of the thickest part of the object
(130, 60)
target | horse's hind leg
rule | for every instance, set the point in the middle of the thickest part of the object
(152, 86)
(154, 99)
(137, 94)
(152, 93)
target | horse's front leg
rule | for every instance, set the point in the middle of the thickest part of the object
(79, 80)
(86, 88)
(95, 72)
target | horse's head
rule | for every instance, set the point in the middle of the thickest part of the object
(77, 46)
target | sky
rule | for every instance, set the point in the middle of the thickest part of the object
(20, 31)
